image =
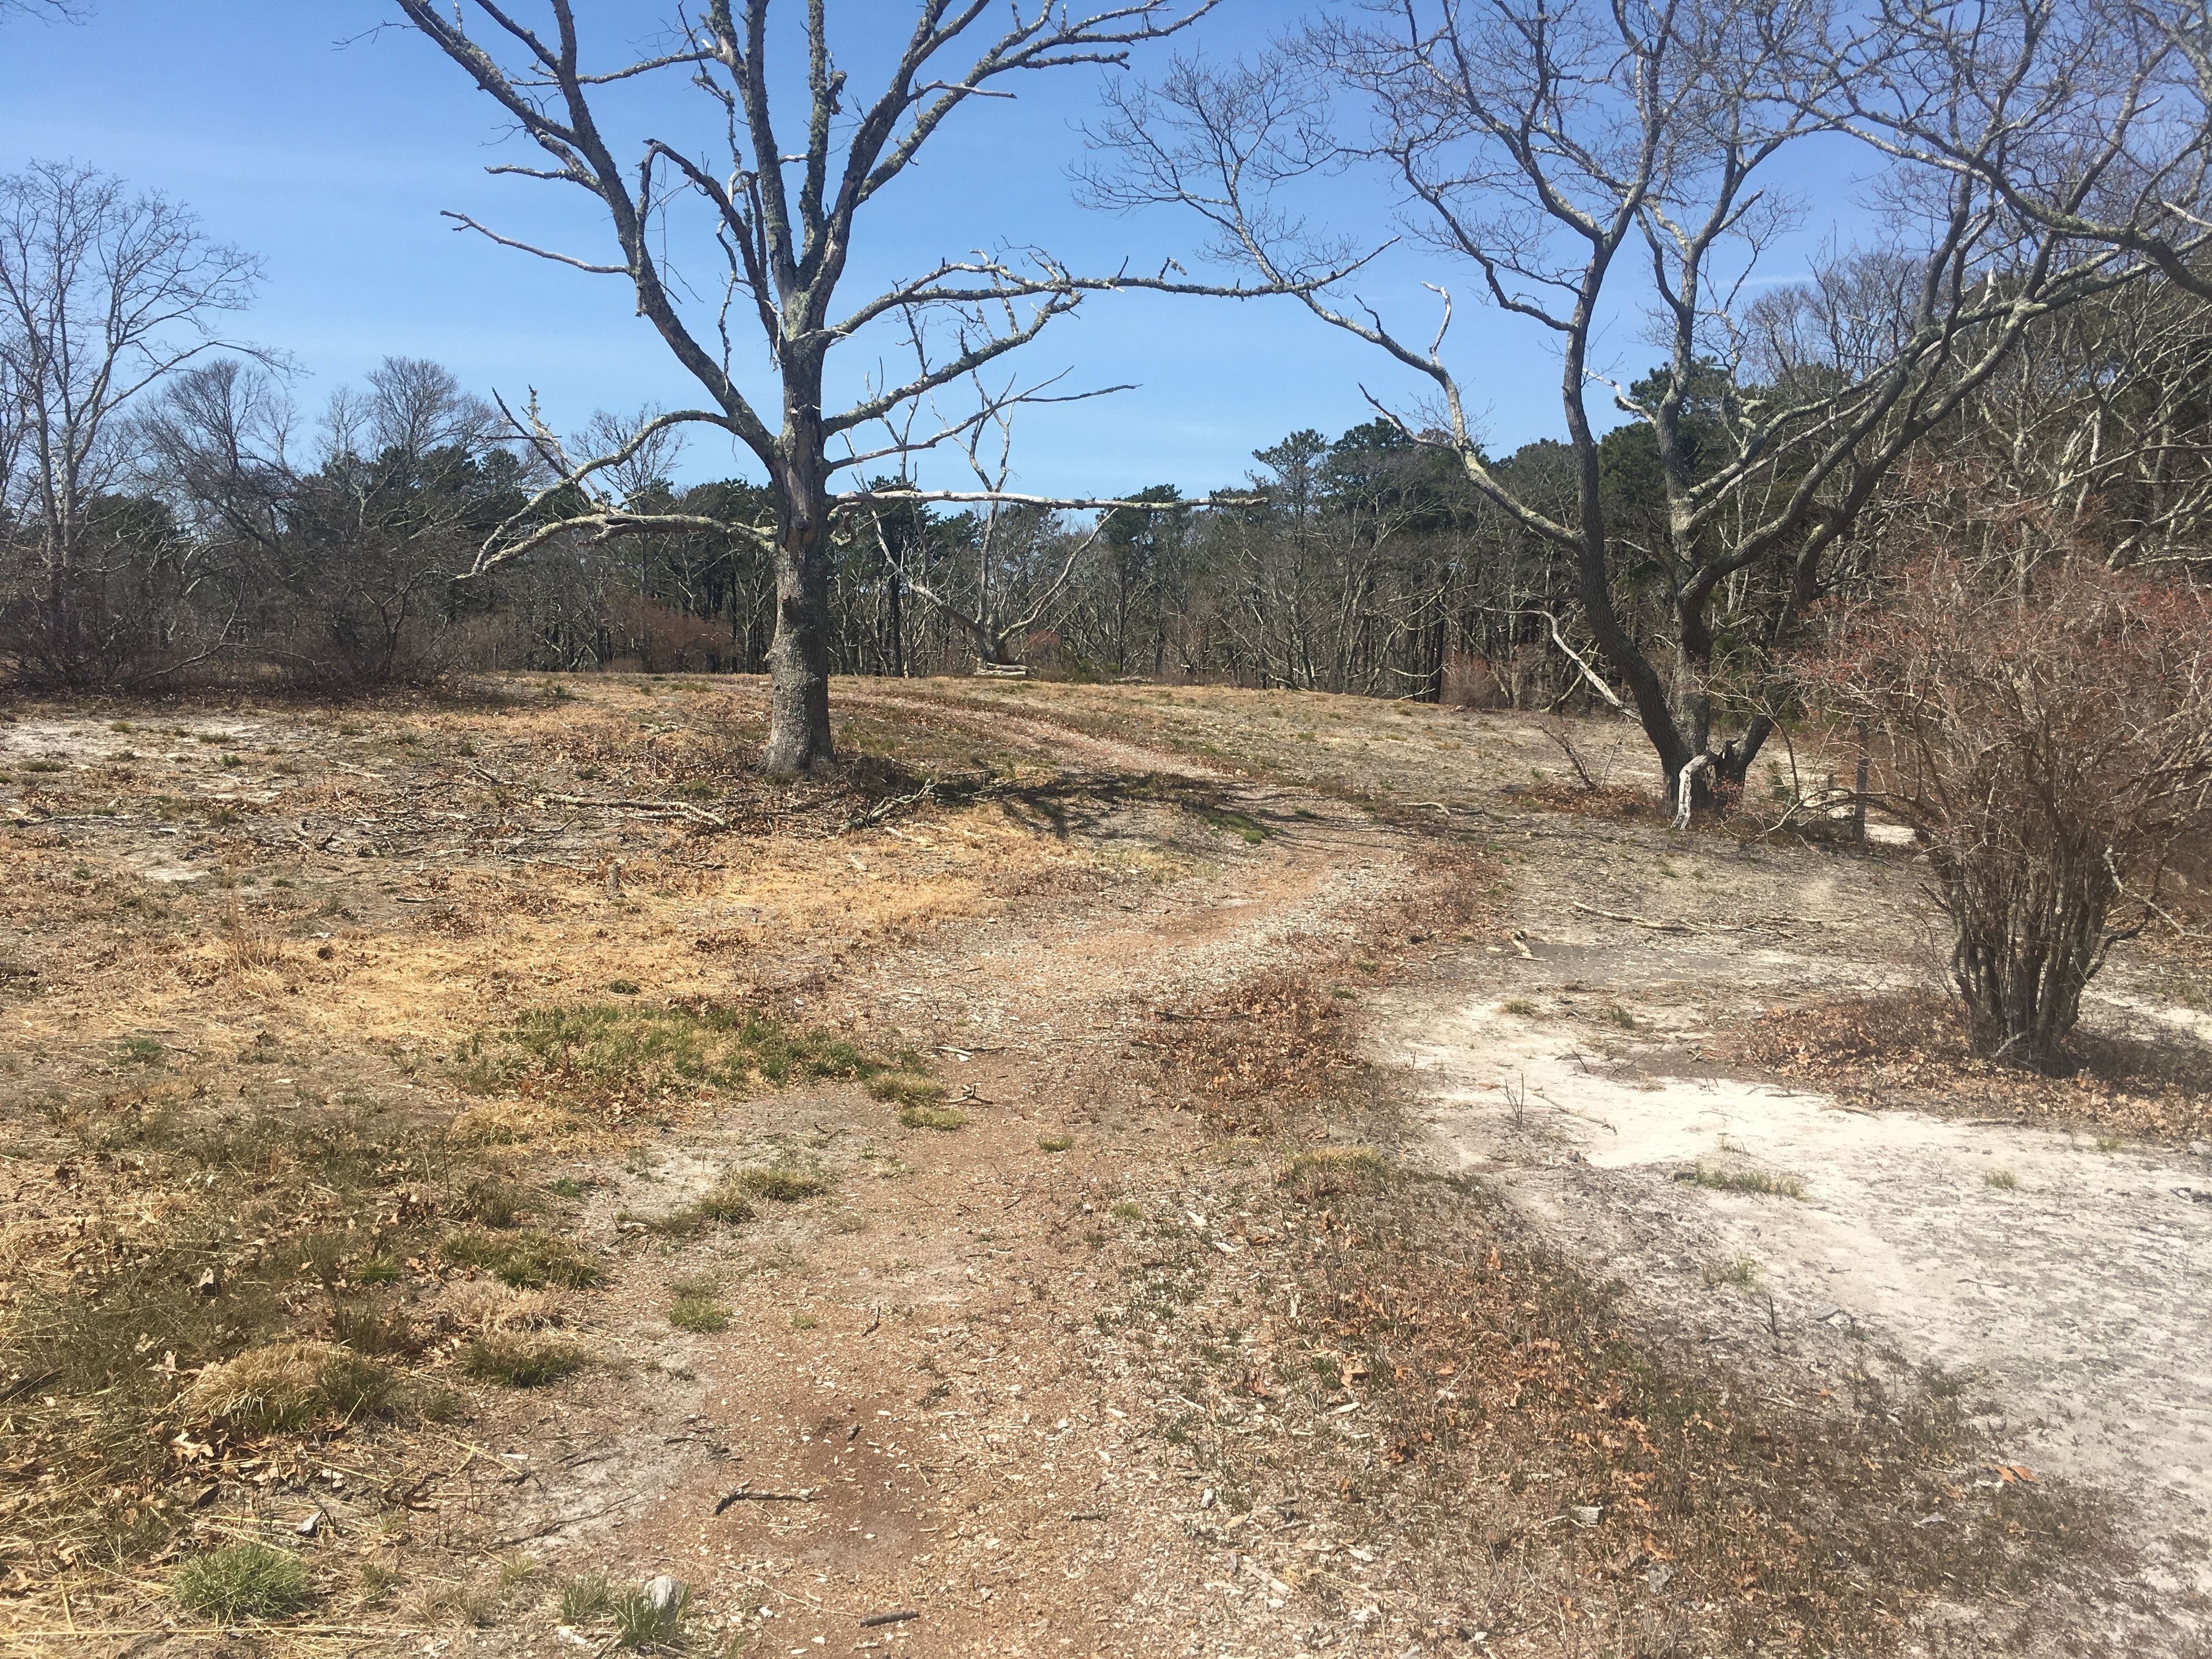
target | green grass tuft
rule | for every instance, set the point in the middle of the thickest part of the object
(241, 1581)
(1741, 1272)
(610, 1053)
(491, 1202)
(725, 1204)
(933, 1117)
(780, 1186)
(701, 1313)
(517, 1361)
(1242, 825)
(1756, 1183)
(1055, 1143)
(641, 1624)
(527, 1261)
(907, 1089)
(585, 1597)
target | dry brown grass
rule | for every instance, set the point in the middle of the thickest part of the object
(252, 943)
(1621, 803)
(290, 1385)
(1541, 1460)
(359, 1210)
(214, 1278)
(241, 1181)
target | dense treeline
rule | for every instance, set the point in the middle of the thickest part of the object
(171, 516)
(228, 543)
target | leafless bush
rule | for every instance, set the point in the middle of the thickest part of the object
(659, 638)
(2051, 742)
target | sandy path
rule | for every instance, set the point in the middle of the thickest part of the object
(2064, 1285)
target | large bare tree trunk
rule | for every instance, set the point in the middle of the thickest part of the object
(798, 736)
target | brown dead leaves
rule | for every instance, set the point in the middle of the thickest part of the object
(1259, 1041)
(1560, 1445)
(1909, 1050)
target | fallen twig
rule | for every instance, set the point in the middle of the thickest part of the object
(555, 1525)
(1574, 759)
(747, 1495)
(647, 808)
(663, 808)
(898, 1617)
(1637, 922)
(883, 809)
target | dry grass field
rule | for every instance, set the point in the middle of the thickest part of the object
(464, 1160)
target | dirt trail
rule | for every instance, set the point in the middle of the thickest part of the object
(964, 1460)
(1020, 1504)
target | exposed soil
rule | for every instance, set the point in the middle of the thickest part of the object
(1109, 1365)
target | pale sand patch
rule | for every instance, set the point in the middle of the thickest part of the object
(2073, 1299)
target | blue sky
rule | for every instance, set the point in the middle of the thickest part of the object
(299, 130)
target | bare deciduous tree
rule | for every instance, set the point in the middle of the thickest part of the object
(104, 294)
(1584, 160)
(783, 202)
(2100, 422)
(2090, 118)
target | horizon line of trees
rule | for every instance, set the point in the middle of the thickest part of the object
(168, 516)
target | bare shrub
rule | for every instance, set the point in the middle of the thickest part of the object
(2050, 741)
(660, 639)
